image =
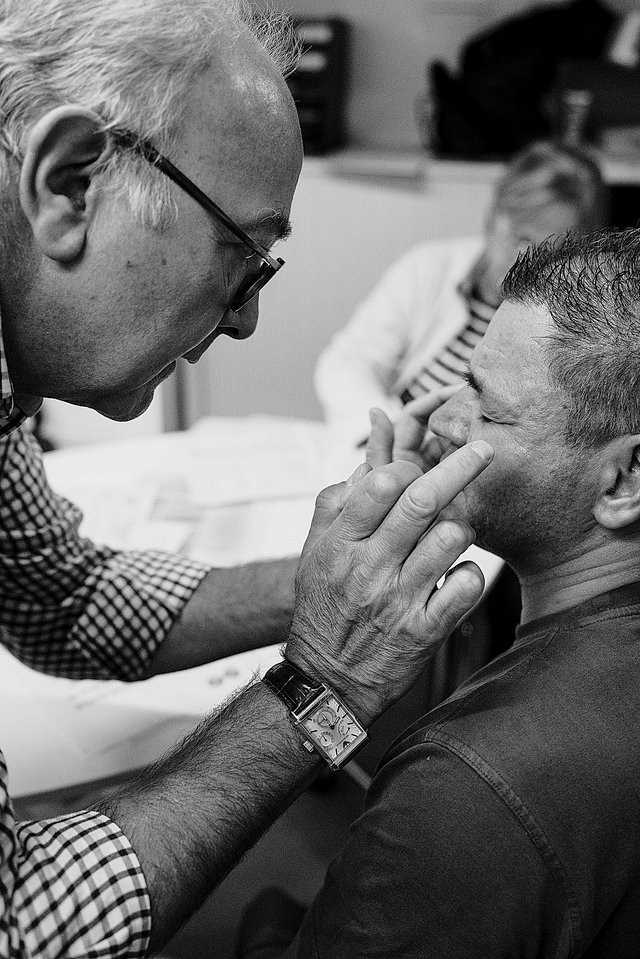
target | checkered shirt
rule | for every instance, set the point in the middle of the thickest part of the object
(72, 886)
(12, 414)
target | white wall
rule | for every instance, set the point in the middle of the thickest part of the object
(347, 228)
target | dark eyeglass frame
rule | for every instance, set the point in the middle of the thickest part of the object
(250, 285)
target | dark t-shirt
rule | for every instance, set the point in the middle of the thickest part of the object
(506, 823)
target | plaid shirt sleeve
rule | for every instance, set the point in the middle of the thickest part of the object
(70, 886)
(68, 606)
(73, 886)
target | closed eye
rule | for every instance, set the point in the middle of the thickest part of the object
(471, 381)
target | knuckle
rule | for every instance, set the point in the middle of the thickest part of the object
(328, 497)
(382, 485)
(385, 483)
(453, 534)
(447, 536)
(422, 498)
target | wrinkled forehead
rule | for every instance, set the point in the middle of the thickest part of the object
(514, 354)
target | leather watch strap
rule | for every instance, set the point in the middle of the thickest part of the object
(292, 686)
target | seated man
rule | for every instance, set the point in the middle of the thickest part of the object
(416, 330)
(505, 822)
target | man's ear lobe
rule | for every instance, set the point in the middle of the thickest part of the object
(59, 161)
(618, 502)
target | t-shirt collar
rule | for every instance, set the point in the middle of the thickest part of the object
(621, 596)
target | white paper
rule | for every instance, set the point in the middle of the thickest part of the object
(253, 459)
(232, 535)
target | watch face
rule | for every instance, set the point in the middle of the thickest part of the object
(332, 728)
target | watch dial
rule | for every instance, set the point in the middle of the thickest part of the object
(332, 728)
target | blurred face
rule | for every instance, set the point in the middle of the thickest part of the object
(510, 231)
(533, 503)
(105, 330)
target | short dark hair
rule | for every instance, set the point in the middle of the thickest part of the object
(590, 284)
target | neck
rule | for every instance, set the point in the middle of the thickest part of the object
(576, 579)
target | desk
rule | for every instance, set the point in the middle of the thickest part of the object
(227, 491)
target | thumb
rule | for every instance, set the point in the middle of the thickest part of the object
(380, 442)
(330, 503)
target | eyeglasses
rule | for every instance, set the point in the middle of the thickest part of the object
(251, 284)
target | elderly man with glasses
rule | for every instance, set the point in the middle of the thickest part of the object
(110, 274)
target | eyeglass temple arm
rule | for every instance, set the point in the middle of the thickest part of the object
(157, 159)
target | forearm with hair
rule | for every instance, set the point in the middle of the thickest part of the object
(191, 816)
(232, 610)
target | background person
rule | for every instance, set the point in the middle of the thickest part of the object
(416, 330)
(110, 272)
(505, 822)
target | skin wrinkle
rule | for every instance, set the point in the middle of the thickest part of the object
(520, 506)
(200, 801)
(196, 321)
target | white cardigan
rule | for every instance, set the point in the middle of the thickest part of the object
(408, 318)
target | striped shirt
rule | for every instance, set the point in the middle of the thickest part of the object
(452, 363)
(72, 885)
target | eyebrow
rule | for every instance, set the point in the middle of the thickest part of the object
(281, 224)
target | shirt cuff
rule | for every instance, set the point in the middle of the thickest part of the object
(81, 890)
(131, 608)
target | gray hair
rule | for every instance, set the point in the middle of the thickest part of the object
(133, 62)
(590, 285)
(548, 171)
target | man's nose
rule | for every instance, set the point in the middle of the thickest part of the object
(451, 420)
(241, 324)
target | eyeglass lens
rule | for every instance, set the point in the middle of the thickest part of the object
(252, 284)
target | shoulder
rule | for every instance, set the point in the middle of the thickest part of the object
(433, 264)
(448, 250)
(419, 874)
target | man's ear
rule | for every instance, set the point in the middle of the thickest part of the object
(59, 161)
(618, 501)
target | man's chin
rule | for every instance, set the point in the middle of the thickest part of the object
(125, 406)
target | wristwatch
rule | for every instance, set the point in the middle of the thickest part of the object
(326, 725)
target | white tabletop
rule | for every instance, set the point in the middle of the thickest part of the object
(227, 491)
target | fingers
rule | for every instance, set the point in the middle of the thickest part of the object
(421, 503)
(432, 449)
(459, 593)
(411, 427)
(435, 553)
(330, 503)
(423, 406)
(409, 438)
(373, 499)
(380, 443)
(396, 505)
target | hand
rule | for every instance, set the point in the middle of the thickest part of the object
(410, 438)
(368, 615)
